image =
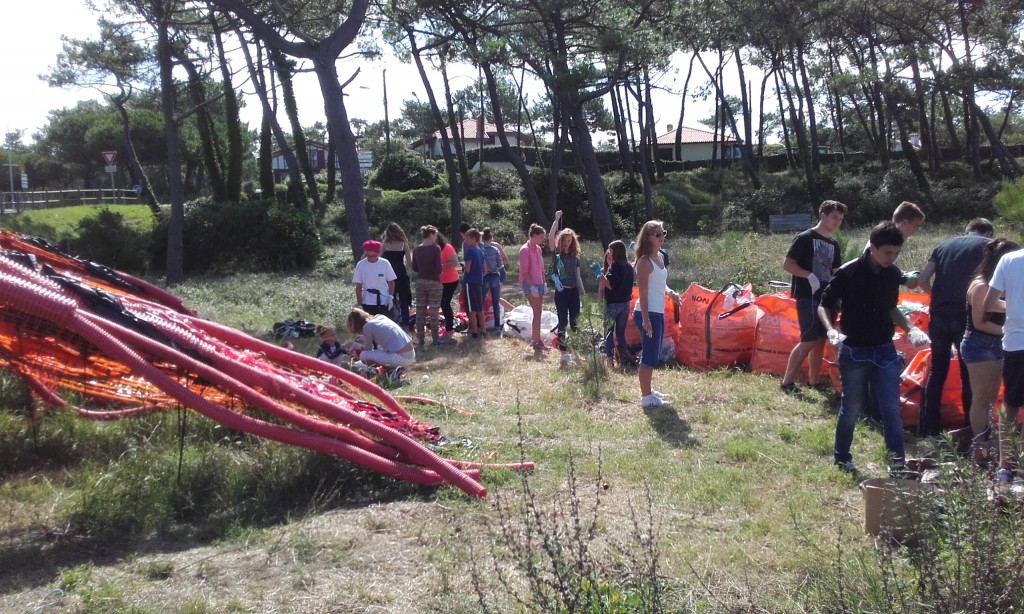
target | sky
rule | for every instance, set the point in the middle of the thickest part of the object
(30, 39)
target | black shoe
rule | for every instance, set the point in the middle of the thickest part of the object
(789, 388)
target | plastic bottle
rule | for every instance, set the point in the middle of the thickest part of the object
(596, 268)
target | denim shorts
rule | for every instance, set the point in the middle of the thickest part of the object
(650, 345)
(534, 289)
(979, 347)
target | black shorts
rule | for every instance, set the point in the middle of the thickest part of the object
(474, 297)
(810, 324)
(1013, 378)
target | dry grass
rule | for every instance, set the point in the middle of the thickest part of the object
(740, 477)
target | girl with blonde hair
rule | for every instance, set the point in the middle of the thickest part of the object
(649, 312)
(565, 246)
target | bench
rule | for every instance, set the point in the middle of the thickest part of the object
(790, 222)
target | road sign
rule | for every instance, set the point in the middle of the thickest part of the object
(137, 188)
(24, 181)
(109, 157)
(110, 168)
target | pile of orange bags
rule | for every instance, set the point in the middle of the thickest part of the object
(732, 327)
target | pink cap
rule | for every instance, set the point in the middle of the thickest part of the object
(371, 246)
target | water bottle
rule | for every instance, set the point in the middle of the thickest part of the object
(557, 281)
(632, 245)
(596, 268)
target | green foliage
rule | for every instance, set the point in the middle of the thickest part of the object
(108, 239)
(403, 171)
(496, 184)
(1009, 202)
(62, 223)
(504, 217)
(410, 209)
(964, 556)
(779, 194)
(256, 235)
(899, 185)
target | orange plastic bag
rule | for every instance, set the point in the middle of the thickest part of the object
(707, 341)
(777, 333)
(671, 320)
(914, 379)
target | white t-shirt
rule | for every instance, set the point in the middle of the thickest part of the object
(374, 276)
(1009, 279)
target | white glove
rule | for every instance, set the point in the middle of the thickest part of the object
(815, 283)
(917, 337)
(835, 337)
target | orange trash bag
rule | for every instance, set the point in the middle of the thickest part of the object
(671, 320)
(716, 329)
(914, 379)
(777, 333)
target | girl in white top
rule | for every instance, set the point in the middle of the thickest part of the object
(649, 312)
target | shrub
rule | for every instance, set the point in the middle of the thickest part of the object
(107, 239)
(403, 171)
(1009, 202)
(495, 184)
(255, 236)
(779, 194)
(899, 185)
(411, 210)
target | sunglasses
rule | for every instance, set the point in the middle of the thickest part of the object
(661, 233)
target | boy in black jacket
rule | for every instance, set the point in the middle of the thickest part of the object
(868, 289)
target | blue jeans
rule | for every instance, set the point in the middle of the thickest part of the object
(880, 366)
(650, 345)
(945, 332)
(492, 285)
(616, 315)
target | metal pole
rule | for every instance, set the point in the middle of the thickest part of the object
(10, 170)
(387, 123)
(113, 190)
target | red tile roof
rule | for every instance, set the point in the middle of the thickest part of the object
(692, 135)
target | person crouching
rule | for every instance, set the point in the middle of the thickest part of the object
(384, 341)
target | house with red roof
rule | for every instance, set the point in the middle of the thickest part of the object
(696, 144)
(475, 133)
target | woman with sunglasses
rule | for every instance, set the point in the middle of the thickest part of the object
(649, 312)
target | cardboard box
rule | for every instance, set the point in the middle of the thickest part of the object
(895, 507)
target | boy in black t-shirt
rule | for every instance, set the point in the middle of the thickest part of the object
(811, 259)
(868, 289)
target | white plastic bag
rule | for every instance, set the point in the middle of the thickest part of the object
(519, 323)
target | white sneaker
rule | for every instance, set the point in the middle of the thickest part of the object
(650, 400)
(661, 396)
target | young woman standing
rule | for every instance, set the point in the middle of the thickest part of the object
(649, 312)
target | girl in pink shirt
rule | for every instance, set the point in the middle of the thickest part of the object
(531, 278)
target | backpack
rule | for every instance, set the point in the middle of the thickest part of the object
(492, 259)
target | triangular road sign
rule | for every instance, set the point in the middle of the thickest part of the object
(109, 156)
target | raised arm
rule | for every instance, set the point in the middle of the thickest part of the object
(553, 232)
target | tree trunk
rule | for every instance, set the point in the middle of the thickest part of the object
(909, 153)
(233, 124)
(812, 123)
(796, 120)
(532, 198)
(455, 188)
(270, 118)
(348, 156)
(643, 119)
(652, 129)
(207, 135)
(1007, 163)
(455, 121)
(332, 171)
(176, 224)
(284, 75)
(927, 140)
(727, 115)
(138, 171)
(620, 136)
(591, 171)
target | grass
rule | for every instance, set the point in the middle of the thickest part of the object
(61, 223)
(740, 478)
